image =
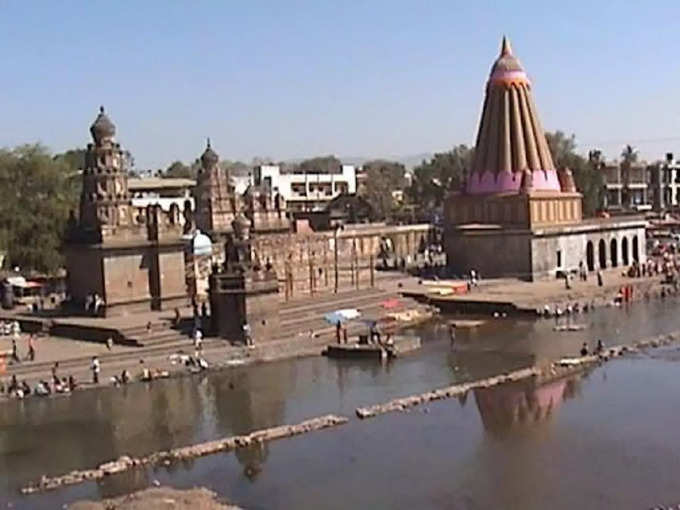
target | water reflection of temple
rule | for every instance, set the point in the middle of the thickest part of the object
(507, 407)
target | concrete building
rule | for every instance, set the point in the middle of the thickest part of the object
(626, 188)
(306, 191)
(643, 187)
(664, 184)
(518, 215)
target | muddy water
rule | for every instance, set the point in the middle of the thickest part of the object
(512, 447)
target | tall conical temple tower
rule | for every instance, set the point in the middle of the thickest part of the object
(513, 180)
(131, 258)
(511, 145)
(516, 205)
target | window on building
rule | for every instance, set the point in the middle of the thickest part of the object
(559, 258)
(299, 189)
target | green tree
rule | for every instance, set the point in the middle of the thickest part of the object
(432, 180)
(178, 170)
(382, 178)
(629, 154)
(36, 195)
(587, 171)
(74, 161)
(321, 164)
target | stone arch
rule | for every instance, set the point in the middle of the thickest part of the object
(590, 256)
(624, 251)
(636, 249)
(602, 253)
(614, 252)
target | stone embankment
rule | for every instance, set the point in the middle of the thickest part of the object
(401, 404)
(554, 370)
(169, 457)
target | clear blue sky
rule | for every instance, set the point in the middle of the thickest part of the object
(293, 78)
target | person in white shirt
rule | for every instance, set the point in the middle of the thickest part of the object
(95, 369)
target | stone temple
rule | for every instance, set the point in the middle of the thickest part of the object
(137, 259)
(133, 258)
(518, 215)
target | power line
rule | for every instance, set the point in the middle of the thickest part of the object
(633, 142)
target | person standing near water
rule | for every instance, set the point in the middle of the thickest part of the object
(95, 367)
(452, 333)
(15, 352)
(31, 348)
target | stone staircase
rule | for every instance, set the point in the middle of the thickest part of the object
(297, 318)
(162, 333)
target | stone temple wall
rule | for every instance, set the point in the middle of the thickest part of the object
(598, 245)
(543, 253)
(305, 262)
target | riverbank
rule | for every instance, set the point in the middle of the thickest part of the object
(159, 498)
(166, 362)
(517, 297)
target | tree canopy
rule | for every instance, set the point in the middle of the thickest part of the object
(433, 179)
(178, 170)
(382, 178)
(321, 164)
(587, 171)
(37, 191)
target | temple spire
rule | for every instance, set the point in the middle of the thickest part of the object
(511, 152)
(505, 47)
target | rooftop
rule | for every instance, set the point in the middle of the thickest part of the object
(155, 183)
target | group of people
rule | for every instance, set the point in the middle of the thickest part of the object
(43, 388)
(599, 348)
(94, 303)
(30, 351)
(569, 309)
(10, 328)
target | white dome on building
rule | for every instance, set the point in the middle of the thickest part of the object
(201, 244)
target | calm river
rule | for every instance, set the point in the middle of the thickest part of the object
(607, 439)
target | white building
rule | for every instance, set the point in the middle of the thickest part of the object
(164, 192)
(306, 191)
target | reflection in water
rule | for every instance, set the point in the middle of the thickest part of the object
(52, 436)
(252, 459)
(507, 407)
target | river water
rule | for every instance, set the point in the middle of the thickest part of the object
(605, 439)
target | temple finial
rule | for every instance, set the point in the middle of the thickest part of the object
(208, 143)
(101, 109)
(505, 47)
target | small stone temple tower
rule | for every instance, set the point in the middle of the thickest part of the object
(243, 291)
(216, 203)
(105, 205)
(132, 258)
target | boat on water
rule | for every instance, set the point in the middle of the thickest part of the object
(360, 348)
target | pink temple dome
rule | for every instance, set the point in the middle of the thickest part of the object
(511, 143)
